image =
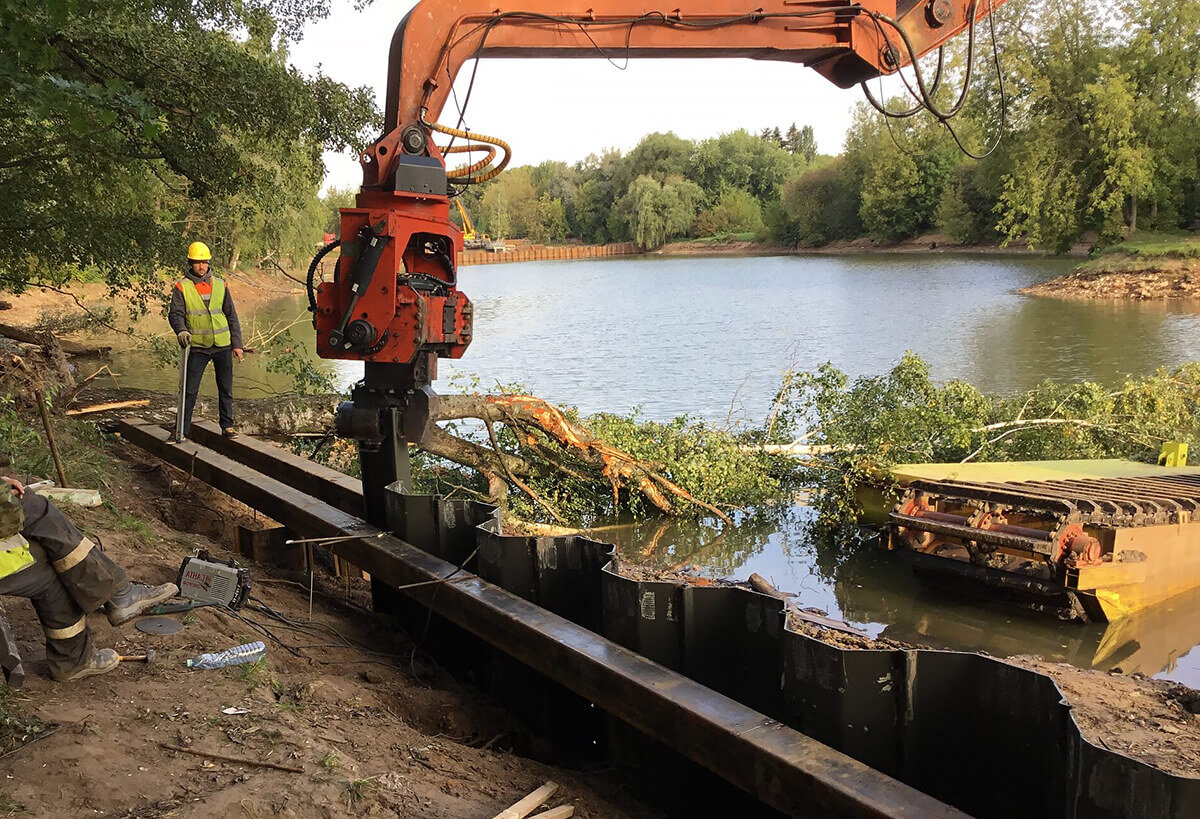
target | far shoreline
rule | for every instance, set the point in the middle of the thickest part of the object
(928, 243)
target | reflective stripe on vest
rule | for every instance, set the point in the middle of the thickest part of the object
(206, 322)
(14, 555)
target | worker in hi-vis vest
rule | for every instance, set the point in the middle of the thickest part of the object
(45, 558)
(203, 318)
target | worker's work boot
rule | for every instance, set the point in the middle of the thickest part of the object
(229, 432)
(134, 598)
(102, 660)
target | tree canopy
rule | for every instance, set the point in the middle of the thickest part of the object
(1095, 112)
(131, 127)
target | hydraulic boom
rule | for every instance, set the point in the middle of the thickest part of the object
(394, 302)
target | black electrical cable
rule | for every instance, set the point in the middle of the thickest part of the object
(916, 109)
(310, 282)
(925, 97)
(1003, 98)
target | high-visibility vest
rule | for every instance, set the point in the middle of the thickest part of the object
(206, 322)
(14, 555)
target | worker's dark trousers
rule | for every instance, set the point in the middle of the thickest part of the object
(89, 575)
(68, 640)
(222, 361)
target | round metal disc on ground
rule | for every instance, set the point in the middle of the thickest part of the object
(158, 625)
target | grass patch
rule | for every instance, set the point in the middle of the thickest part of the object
(134, 525)
(84, 449)
(11, 807)
(721, 238)
(1158, 245)
(254, 674)
(16, 727)
(359, 789)
(332, 761)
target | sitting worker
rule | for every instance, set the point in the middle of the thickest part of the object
(203, 318)
(45, 558)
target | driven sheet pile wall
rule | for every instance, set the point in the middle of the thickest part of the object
(990, 738)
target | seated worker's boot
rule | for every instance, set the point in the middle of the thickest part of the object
(102, 660)
(135, 598)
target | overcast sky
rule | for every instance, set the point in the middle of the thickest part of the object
(567, 109)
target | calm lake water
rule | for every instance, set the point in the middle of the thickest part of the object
(711, 337)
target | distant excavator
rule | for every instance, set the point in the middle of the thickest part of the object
(394, 303)
(471, 239)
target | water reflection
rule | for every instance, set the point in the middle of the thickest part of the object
(876, 591)
(1065, 341)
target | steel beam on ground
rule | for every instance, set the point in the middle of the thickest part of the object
(329, 485)
(782, 767)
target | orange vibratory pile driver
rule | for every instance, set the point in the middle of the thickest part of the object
(394, 301)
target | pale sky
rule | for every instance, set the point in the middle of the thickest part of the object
(567, 109)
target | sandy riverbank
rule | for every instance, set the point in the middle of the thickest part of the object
(1126, 278)
(371, 726)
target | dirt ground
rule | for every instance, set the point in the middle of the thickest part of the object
(376, 728)
(35, 303)
(1126, 279)
(1150, 720)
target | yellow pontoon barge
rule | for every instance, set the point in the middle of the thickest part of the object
(1095, 540)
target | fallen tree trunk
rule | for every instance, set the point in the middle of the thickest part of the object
(548, 444)
(571, 446)
(39, 338)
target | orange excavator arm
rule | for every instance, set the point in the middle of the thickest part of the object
(847, 42)
(394, 302)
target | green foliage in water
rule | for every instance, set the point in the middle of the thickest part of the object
(865, 426)
(718, 466)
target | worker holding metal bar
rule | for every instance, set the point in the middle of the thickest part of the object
(45, 558)
(204, 320)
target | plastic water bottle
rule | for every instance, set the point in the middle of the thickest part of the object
(249, 653)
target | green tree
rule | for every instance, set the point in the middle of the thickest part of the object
(560, 181)
(552, 221)
(889, 195)
(509, 207)
(656, 212)
(125, 122)
(657, 155)
(739, 160)
(823, 204)
(1126, 166)
(735, 212)
(1163, 64)
(595, 196)
(801, 142)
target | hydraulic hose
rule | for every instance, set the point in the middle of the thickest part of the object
(312, 275)
(461, 134)
(459, 173)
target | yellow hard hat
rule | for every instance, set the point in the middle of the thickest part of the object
(198, 252)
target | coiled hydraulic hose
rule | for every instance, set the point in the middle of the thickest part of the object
(461, 134)
(466, 171)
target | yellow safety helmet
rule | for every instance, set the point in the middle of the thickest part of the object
(199, 252)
